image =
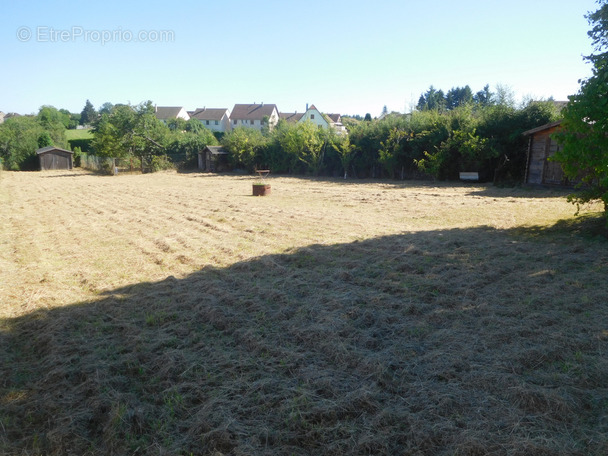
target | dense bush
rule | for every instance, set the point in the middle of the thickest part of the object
(21, 136)
(483, 136)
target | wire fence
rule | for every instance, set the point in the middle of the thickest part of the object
(136, 164)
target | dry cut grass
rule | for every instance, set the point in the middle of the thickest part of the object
(176, 314)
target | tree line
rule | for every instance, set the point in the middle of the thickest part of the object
(481, 133)
(447, 133)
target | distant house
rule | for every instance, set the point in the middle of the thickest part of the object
(541, 146)
(11, 115)
(335, 122)
(291, 117)
(215, 119)
(315, 116)
(254, 115)
(166, 113)
(52, 157)
(2, 117)
(213, 159)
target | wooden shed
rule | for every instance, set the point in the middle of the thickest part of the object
(213, 159)
(52, 157)
(541, 146)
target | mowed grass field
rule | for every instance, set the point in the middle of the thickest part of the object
(176, 314)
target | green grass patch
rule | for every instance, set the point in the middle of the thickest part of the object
(79, 134)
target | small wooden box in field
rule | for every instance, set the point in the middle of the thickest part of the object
(261, 189)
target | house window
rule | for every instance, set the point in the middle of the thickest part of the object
(207, 122)
(234, 121)
(217, 122)
(251, 121)
(312, 116)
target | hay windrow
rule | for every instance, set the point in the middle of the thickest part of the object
(329, 318)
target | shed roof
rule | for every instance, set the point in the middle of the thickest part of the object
(542, 127)
(209, 113)
(44, 150)
(215, 150)
(252, 111)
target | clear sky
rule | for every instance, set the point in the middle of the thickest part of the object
(348, 57)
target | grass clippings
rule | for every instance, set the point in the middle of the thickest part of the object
(175, 314)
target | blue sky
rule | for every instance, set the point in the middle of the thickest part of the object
(347, 57)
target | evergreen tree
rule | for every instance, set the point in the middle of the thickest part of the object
(88, 114)
(484, 97)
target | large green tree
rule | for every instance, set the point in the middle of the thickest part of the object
(130, 131)
(458, 96)
(18, 143)
(584, 134)
(345, 149)
(433, 99)
(244, 145)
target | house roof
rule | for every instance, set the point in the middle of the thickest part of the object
(560, 104)
(542, 127)
(44, 150)
(167, 112)
(291, 116)
(334, 117)
(209, 113)
(252, 111)
(215, 150)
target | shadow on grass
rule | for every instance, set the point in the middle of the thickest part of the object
(77, 173)
(587, 226)
(458, 341)
(493, 191)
